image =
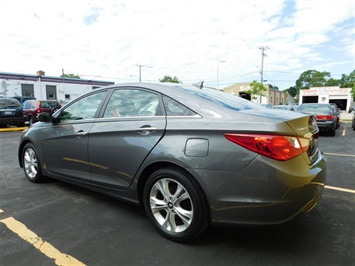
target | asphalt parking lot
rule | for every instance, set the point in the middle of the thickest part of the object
(59, 224)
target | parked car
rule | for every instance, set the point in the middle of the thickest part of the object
(190, 156)
(285, 107)
(336, 112)
(31, 108)
(326, 117)
(353, 120)
(352, 108)
(21, 99)
(267, 105)
(11, 112)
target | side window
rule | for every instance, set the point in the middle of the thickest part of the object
(174, 108)
(85, 108)
(132, 102)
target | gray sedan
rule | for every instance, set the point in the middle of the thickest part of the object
(191, 156)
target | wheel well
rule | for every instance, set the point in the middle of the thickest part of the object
(150, 170)
(21, 151)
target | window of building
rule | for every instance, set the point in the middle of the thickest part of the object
(51, 92)
(27, 90)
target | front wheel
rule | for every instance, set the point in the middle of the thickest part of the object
(175, 204)
(31, 164)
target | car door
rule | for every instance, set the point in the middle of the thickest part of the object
(131, 125)
(65, 143)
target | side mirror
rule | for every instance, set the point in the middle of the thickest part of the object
(44, 117)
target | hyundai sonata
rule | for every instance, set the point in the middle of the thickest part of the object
(191, 156)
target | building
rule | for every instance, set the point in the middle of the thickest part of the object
(340, 96)
(46, 87)
(270, 96)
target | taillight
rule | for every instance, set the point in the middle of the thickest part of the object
(277, 147)
(325, 117)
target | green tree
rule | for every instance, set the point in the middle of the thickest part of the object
(292, 91)
(256, 89)
(348, 81)
(70, 76)
(333, 82)
(273, 87)
(167, 78)
(312, 78)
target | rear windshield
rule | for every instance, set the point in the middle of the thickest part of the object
(222, 98)
(314, 108)
(49, 104)
(9, 103)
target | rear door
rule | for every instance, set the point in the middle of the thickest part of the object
(131, 125)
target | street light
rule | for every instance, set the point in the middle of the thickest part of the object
(221, 61)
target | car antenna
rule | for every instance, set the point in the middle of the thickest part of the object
(198, 84)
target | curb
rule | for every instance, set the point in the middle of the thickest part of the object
(12, 129)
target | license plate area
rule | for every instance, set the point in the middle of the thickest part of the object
(8, 113)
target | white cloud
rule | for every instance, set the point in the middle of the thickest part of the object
(107, 39)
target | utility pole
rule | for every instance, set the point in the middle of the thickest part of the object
(262, 48)
(140, 71)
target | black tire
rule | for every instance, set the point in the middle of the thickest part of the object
(31, 164)
(179, 211)
(32, 120)
(332, 133)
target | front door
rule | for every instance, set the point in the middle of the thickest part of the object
(65, 144)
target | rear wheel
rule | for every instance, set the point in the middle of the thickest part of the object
(175, 205)
(31, 164)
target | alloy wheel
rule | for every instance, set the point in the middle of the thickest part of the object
(30, 163)
(171, 205)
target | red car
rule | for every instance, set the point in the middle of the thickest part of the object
(31, 108)
(327, 119)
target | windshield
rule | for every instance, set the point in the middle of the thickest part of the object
(9, 103)
(316, 108)
(222, 98)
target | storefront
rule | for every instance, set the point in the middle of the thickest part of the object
(340, 96)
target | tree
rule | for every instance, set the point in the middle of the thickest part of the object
(273, 87)
(256, 89)
(312, 78)
(348, 81)
(170, 79)
(292, 91)
(70, 76)
(333, 82)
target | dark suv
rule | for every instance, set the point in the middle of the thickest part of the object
(31, 108)
(21, 99)
(11, 112)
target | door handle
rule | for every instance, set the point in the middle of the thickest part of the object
(80, 133)
(145, 130)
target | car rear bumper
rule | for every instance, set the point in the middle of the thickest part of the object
(326, 126)
(11, 120)
(265, 192)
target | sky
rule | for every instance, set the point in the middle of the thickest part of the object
(215, 41)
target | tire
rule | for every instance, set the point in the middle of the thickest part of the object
(332, 133)
(175, 205)
(31, 164)
(32, 120)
